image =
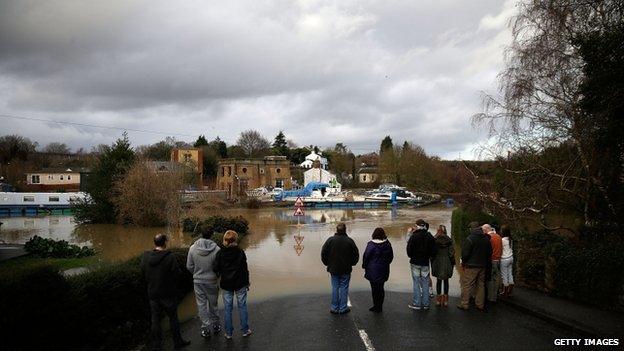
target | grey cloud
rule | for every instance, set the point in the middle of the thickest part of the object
(323, 71)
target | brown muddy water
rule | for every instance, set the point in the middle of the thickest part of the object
(278, 265)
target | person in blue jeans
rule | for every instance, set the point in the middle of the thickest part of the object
(340, 254)
(231, 265)
(421, 249)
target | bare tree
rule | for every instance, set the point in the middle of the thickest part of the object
(253, 143)
(538, 119)
(56, 148)
(147, 196)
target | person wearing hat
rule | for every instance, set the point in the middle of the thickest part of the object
(161, 271)
(475, 257)
(421, 249)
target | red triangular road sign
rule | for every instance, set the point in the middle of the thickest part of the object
(299, 202)
(298, 212)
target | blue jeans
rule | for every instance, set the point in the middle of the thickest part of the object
(241, 302)
(420, 278)
(340, 292)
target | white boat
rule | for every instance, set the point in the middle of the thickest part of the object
(385, 191)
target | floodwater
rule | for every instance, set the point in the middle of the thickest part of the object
(283, 257)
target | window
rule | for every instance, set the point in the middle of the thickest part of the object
(34, 179)
(29, 198)
(244, 169)
(68, 177)
(278, 171)
(223, 171)
(50, 177)
(229, 171)
(261, 170)
(364, 177)
(61, 177)
(187, 157)
(53, 199)
(279, 183)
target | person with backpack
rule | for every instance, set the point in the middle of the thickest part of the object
(421, 249)
(200, 262)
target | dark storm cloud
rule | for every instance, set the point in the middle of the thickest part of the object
(324, 72)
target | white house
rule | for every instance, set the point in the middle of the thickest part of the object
(312, 158)
(322, 176)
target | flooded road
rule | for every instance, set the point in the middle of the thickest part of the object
(278, 265)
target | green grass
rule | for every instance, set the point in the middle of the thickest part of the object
(60, 263)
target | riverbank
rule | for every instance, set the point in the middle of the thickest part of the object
(304, 322)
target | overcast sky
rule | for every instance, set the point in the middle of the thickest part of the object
(321, 71)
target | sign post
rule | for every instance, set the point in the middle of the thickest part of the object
(298, 213)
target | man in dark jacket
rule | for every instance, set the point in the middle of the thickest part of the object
(161, 272)
(340, 254)
(475, 255)
(421, 248)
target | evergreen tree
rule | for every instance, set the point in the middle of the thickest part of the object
(280, 146)
(386, 144)
(111, 167)
(201, 141)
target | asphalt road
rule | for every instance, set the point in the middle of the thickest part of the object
(304, 323)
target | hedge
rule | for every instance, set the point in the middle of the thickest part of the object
(461, 218)
(104, 309)
(580, 270)
(40, 247)
(588, 271)
(219, 224)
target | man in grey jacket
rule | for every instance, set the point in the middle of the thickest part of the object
(200, 261)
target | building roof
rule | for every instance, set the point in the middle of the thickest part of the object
(252, 160)
(62, 170)
(369, 170)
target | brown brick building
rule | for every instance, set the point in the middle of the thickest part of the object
(193, 159)
(238, 175)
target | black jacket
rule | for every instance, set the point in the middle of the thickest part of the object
(476, 250)
(231, 265)
(421, 247)
(339, 254)
(162, 273)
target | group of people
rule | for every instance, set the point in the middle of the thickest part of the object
(212, 268)
(486, 259)
(425, 251)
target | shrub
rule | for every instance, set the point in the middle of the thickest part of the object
(588, 272)
(34, 298)
(147, 196)
(41, 247)
(461, 218)
(219, 224)
(104, 309)
(252, 203)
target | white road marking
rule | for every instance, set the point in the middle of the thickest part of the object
(367, 342)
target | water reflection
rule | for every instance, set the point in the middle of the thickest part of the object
(283, 258)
